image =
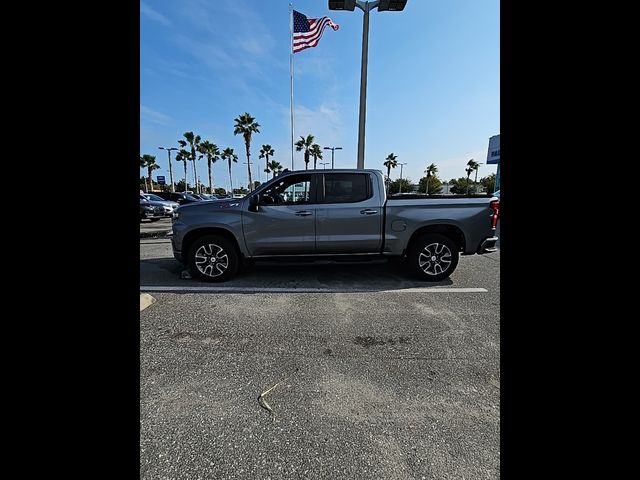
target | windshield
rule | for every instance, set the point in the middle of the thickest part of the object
(154, 198)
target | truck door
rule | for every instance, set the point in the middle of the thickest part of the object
(349, 214)
(285, 221)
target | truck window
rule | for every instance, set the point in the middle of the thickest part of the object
(288, 191)
(346, 187)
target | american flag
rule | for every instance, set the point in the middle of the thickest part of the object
(308, 31)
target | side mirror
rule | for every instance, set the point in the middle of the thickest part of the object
(254, 200)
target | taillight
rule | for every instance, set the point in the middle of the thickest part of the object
(495, 206)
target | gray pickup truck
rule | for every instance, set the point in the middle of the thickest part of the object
(332, 213)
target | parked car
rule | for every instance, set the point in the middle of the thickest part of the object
(150, 212)
(167, 205)
(179, 197)
(205, 196)
(333, 213)
(209, 197)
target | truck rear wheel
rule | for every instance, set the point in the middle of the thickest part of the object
(433, 257)
(213, 258)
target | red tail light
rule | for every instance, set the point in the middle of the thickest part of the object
(495, 206)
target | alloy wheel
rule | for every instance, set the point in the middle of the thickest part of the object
(434, 259)
(211, 260)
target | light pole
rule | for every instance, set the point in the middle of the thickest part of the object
(400, 183)
(426, 190)
(476, 179)
(333, 149)
(247, 164)
(324, 163)
(169, 149)
(366, 7)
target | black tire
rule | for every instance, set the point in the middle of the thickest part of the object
(225, 259)
(433, 257)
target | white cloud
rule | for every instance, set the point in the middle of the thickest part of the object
(172, 67)
(323, 123)
(153, 116)
(150, 13)
(251, 35)
(210, 54)
(316, 67)
(254, 46)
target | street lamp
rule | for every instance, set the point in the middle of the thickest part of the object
(324, 163)
(332, 152)
(250, 185)
(170, 169)
(400, 183)
(366, 7)
(476, 179)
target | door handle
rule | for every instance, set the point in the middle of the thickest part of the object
(368, 211)
(303, 213)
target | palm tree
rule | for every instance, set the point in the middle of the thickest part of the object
(475, 181)
(431, 170)
(390, 163)
(149, 162)
(199, 183)
(246, 125)
(194, 142)
(227, 154)
(183, 156)
(471, 166)
(143, 164)
(305, 144)
(273, 166)
(265, 152)
(213, 155)
(316, 153)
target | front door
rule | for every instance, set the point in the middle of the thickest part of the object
(285, 221)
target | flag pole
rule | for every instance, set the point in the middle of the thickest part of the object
(291, 75)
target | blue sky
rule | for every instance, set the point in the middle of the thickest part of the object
(433, 92)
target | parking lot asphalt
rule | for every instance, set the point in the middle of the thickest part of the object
(382, 377)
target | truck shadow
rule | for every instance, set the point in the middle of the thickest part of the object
(336, 277)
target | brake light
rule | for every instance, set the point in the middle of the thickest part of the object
(495, 206)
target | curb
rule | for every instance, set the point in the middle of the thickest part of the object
(158, 234)
(146, 300)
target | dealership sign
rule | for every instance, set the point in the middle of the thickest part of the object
(493, 155)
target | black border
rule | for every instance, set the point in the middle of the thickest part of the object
(545, 147)
(83, 102)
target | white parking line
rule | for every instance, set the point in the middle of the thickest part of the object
(164, 288)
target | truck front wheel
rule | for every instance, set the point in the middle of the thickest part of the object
(433, 257)
(213, 258)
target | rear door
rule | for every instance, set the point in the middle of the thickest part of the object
(348, 214)
(285, 221)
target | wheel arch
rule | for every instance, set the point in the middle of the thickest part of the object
(452, 231)
(191, 236)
